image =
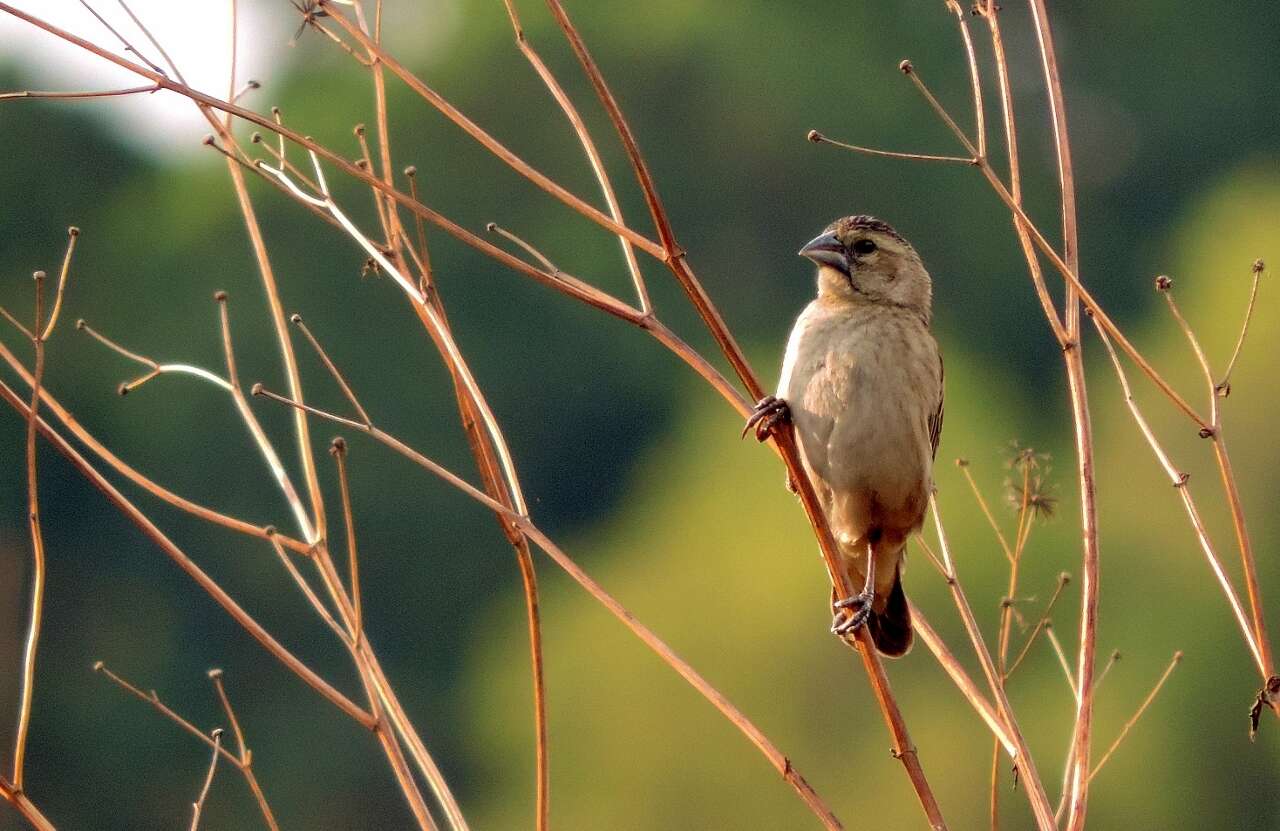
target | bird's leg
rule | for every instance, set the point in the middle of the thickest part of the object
(769, 412)
(857, 608)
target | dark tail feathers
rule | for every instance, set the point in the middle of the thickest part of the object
(891, 628)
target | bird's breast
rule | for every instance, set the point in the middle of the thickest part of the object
(861, 387)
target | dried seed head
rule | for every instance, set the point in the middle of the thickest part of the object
(1164, 282)
(905, 67)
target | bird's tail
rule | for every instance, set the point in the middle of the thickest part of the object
(891, 628)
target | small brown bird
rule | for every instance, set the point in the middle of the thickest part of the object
(862, 384)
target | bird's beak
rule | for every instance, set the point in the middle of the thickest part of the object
(827, 250)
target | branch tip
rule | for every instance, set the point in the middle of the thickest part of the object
(338, 446)
(215, 672)
(906, 67)
(256, 389)
(1164, 283)
(220, 296)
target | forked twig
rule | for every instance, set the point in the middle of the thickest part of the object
(198, 805)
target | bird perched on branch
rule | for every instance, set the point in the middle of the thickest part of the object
(862, 385)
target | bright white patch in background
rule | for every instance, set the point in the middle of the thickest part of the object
(197, 35)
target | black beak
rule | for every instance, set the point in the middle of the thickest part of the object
(827, 250)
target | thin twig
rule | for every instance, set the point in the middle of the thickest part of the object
(1022, 756)
(963, 464)
(1045, 617)
(1223, 387)
(338, 448)
(1062, 659)
(1112, 660)
(53, 95)
(309, 593)
(1181, 483)
(198, 805)
(36, 615)
(246, 755)
(1142, 708)
(818, 138)
(296, 319)
(588, 147)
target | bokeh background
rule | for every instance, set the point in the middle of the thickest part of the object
(630, 462)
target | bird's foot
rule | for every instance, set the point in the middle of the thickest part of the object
(768, 414)
(851, 613)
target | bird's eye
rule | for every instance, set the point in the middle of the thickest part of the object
(864, 246)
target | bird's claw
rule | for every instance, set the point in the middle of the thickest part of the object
(769, 412)
(851, 613)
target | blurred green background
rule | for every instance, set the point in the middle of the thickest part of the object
(629, 461)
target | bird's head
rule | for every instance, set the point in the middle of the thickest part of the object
(863, 260)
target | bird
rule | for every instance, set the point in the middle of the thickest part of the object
(862, 386)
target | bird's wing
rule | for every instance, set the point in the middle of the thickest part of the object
(935, 419)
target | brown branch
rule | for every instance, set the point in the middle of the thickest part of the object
(963, 464)
(24, 806)
(968, 688)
